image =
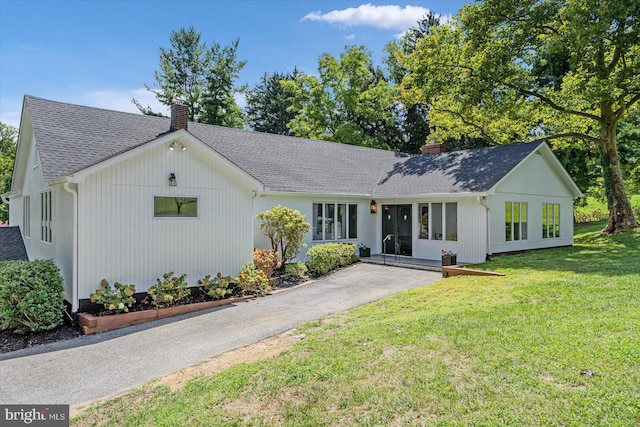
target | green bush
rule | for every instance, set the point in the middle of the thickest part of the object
(325, 257)
(168, 291)
(216, 288)
(252, 280)
(31, 296)
(296, 270)
(286, 229)
(117, 300)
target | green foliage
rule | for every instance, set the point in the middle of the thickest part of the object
(8, 139)
(325, 257)
(269, 104)
(31, 296)
(116, 300)
(252, 280)
(296, 270)
(168, 291)
(286, 229)
(217, 287)
(508, 71)
(202, 77)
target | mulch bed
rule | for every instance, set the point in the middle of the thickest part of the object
(11, 342)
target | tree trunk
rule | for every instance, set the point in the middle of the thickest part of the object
(620, 212)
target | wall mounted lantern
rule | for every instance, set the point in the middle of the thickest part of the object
(172, 180)
(373, 207)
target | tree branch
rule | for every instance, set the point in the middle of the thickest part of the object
(569, 135)
(552, 104)
(468, 123)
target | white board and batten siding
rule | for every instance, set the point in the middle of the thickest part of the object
(58, 246)
(120, 240)
(535, 182)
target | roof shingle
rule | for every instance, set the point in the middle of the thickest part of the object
(11, 244)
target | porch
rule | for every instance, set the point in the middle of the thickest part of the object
(404, 261)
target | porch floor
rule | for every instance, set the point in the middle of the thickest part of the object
(404, 261)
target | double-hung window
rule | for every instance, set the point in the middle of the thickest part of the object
(46, 233)
(550, 220)
(516, 217)
(438, 221)
(335, 221)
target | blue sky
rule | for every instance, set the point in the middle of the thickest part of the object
(101, 53)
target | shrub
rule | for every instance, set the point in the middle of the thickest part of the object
(117, 300)
(286, 229)
(216, 288)
(31, 296)
(327, 256)
(296, 270)
(266, 260)
(252, 280)
(168, 291)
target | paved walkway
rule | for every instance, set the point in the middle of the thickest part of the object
(93, 367)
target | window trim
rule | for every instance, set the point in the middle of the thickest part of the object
(46, 217)
(443, 225)
(554, 224)
(523, 231)
(347, 226)
(153, 207)
(26, 216)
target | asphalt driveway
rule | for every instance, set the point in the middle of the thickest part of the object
(90, 368)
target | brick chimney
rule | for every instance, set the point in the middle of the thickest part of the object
(433, 148)
(179, 116)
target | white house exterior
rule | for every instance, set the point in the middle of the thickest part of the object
(98, 191)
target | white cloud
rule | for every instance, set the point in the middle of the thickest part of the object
(350, 37)
(389, 17)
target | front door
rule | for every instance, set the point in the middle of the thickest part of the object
(396, 222)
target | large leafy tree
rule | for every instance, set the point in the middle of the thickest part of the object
(478, 75)
(269, 104)
(8, 138)
(351, 102)
(202, 77)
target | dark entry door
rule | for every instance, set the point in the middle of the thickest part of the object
(396, 220)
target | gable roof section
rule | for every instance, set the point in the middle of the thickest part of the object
(11, 244)
(71, 138)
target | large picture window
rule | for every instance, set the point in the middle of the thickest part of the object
(46, 233)
(438, 221)
(550, 220)
(335, 221)
(175, 207)
(516, 217)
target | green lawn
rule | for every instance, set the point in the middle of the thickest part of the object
(554, 342)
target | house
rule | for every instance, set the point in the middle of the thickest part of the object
(129, 197)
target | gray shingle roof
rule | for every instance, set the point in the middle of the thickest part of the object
(11, 244)
(71, 138)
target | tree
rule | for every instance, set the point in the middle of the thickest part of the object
(351, 102)
(478, 75)
(202, 77)
(8, 139)
(286, 229)
(269, 104)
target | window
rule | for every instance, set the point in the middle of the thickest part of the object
(439, 219)
(550, 220)
(175, 207)
(335, 221)
(46, 234)
(26, 216)
(515, 221)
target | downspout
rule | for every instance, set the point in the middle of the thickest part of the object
(74, 274)
(483, 201)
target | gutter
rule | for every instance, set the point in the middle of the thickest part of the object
(6, 196)
(483, 201)
(74, 273)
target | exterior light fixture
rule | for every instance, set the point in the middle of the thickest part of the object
(172, 180)
(373, 208)
(172, 146)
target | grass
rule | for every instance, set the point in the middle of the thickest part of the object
(554, 342)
